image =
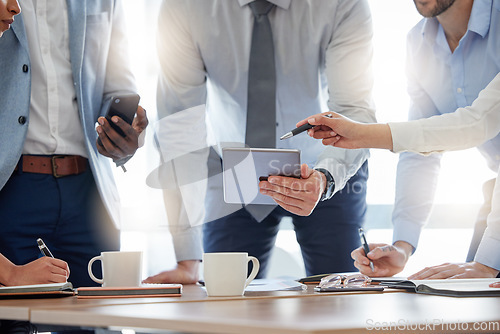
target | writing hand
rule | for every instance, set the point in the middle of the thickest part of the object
(388, 260)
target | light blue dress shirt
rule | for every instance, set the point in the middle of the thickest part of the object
(323, 57)
(439, 82)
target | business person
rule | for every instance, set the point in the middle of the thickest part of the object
(287, 59)
(45, 269)
(60, 63)
(452, 55)
(465, 128)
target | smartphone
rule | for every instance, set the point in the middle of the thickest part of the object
(123, 106)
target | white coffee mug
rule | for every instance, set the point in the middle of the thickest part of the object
(119, 269)
(225, 274)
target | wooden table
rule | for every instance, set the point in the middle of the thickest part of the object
(277, 312)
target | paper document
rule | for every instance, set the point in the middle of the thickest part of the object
(275, 285)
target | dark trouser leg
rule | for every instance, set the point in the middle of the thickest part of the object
(329, 235)
(67, 213)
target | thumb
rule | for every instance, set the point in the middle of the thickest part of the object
(305, 171)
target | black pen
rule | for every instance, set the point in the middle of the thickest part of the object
(365, 246)
(300, 129)
(43, 248)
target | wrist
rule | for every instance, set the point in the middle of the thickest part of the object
(7, 271)
(190, 266)
(329, 184)
(404, 247)
(491, 272)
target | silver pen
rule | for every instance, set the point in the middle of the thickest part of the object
(43, 248)
(301, 129)
(365, 246)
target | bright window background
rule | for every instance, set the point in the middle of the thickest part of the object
(459, 192)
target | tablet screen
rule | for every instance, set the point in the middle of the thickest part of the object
(243, 168)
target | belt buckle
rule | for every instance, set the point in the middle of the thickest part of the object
(54, 165)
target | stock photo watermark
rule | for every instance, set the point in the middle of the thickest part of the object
(405, 325)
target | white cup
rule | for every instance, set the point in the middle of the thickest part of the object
(119, 269)
(225, 274)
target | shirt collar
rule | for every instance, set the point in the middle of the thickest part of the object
(285, 4)
(480, 17)
(479, 21)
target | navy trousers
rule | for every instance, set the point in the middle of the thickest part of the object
(67, 213)
(326, 237)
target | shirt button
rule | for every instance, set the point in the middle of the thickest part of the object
(25, 68)
(459, 90)
(21, 120)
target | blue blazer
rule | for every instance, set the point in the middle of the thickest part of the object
(100, 67)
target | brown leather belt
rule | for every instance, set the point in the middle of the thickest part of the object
(56, 165)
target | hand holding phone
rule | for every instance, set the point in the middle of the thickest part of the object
(125, 107)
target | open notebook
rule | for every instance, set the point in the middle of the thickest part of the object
(37, 290)
(470, 287)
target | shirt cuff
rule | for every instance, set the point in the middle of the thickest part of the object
(488, 252)
(406, 136)
(408, 232)
(187, 244)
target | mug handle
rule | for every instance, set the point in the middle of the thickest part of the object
(89, 268)
(255, 269)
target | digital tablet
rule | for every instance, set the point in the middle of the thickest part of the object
(244, 168)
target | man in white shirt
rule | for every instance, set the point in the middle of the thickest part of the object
(322, 58)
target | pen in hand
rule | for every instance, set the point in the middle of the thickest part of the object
(43, 248)
(365, 246)
(300, 129)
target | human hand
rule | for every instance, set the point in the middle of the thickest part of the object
(40, 271)
(186, 272)
(495, 285)
(298, 196)
(388, 260)
(455, 270)
(340, 131)
(112, 144)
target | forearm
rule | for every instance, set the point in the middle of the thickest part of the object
(6, 268)
(375, 136)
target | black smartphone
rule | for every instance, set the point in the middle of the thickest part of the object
(123, 106)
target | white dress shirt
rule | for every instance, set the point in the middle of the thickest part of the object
(54, 121)
(323, 55)
(465, 128)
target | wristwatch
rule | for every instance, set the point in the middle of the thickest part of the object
(330, 184)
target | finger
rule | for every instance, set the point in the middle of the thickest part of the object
(284, 199)
(322, 133)
(428, 272)
(306, 172)
(282, 193)
(117, 138)
(358, 255)
(140, 121)
(332, 141)
(298, 210)
(279, 182)
(495, 285)
(111, 140)
(366, 270)
(379, 251)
